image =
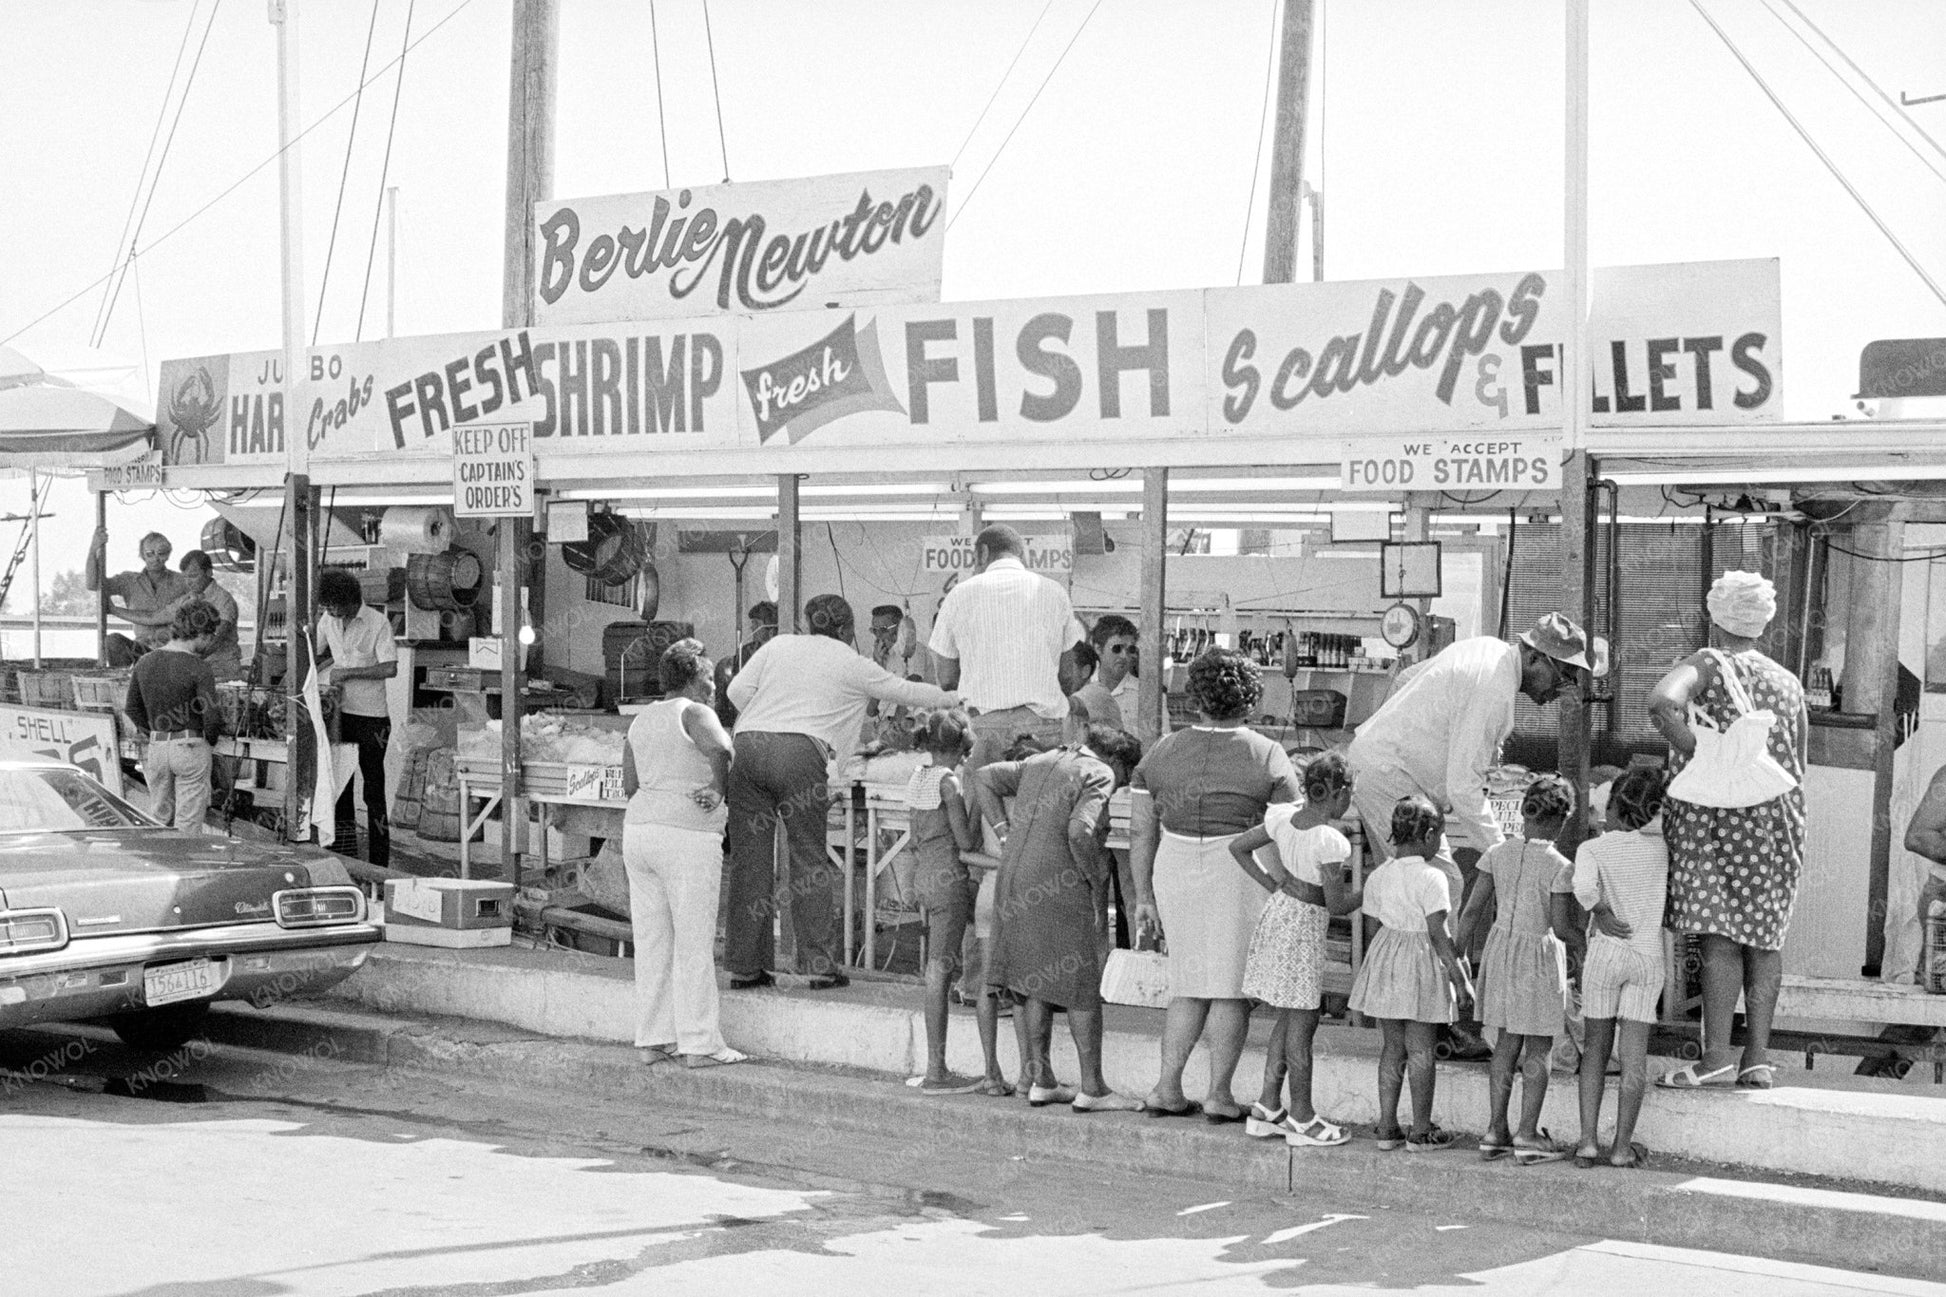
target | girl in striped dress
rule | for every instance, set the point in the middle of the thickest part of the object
(1523, 892)
(1411, 979)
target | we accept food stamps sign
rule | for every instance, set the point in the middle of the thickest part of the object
(1459, 375)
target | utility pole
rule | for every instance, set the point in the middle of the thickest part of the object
(297, 481)
(530, 179)
(1287, 148)
(1577, 534)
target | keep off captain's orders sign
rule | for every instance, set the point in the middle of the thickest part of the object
(861, 239)
(493, 470)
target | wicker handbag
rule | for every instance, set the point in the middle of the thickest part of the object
(1137, 977)
(1732, 768)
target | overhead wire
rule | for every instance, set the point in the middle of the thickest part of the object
(1864, 76)
(716, 93)
(1822, 156)
(988, 169)
(1257, 158)
(385, 168)
(351, 140)
(1856, 93)
(1000, 85)
(141, 178)
(661, 115)
(188, 84)
(234, 185)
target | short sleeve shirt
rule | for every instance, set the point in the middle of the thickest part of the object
(1007, 628)
(1209, 782)
(1402, 892)
(365, 640)
(142, 594)
(220, 599)
(1304, 851)
(1526, 875)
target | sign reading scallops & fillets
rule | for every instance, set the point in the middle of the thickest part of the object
(867, 238)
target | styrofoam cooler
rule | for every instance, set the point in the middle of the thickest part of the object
(455, 912)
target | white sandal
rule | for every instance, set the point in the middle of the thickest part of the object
(720, 1058)
(1315, 1133)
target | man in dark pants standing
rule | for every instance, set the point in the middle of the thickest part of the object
(800, 703)
(356, 642)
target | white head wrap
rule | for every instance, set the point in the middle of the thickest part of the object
(1743, 603)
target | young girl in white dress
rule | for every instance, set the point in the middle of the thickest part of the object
(1285, 965)
(1411, 979)
(1522, 891)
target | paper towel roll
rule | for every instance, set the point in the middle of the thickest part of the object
(416, 529)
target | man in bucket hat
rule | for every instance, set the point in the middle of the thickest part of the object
(1441, 732)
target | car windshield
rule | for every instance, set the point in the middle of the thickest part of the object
(44, 799)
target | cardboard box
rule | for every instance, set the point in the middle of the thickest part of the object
(448, 904)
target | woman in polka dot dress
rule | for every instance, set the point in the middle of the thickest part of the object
(1734, 872)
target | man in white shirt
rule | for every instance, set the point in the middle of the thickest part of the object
(800, 702)
(145, 599)
(999, 638)
(356, 642)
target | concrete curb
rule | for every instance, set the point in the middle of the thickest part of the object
(1670, 1208)
(1866, 1129)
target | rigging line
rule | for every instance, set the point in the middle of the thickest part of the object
(162, 110)
(188, 84)
(1257, 158)
(954, 218)
(141, 323)
(661, 117)
(1823, 157)
(385, 168)
(1865, 77)
(234, 185)
(716, 92)
(1856, 93)
(999, 85)
(351, 139)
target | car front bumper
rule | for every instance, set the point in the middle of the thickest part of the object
(93, 977)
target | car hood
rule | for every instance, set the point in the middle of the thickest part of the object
(152, 879)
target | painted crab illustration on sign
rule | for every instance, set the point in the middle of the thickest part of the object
(194, 408)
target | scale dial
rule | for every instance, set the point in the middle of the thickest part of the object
(1400, 625)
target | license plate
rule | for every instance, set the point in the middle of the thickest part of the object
(168, 983)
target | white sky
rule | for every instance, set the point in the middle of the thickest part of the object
(1436, 136)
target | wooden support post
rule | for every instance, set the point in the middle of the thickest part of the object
(1287, 148)
(1153, 685)
(1418, 527)
(1871, 685)
(790, 558)
(513, 814)
(1577, 539)
(299, 501)
(101, 595)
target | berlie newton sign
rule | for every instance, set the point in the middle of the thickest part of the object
(868, 238)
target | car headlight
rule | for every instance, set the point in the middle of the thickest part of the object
(318, 907)
(23, 931)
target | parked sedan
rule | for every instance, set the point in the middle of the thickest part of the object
(107, 915)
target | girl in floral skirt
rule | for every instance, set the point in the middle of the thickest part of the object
(1285, 964)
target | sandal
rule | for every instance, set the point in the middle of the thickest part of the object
(991, 1089)
(1586, 1158)
(1041, 1096)
(1388, 1142)
(1315, 1133)
(721, 1058)
(1216, 1118)
(1435, 1139)
(1687, 1077)
(1492, 1150)
(1190, 1108)
(1638, 1157)
(1535, 1154)
(1264, 1123)
(951, 1083)
(653, 1054)
(1764, 1078)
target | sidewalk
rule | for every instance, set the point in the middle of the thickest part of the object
(889, 1134)
(1853, 1130)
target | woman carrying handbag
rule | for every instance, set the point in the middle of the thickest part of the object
(1737, 732)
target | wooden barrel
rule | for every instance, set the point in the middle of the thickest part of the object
(615, 549)
(229, 547)
(444, 582)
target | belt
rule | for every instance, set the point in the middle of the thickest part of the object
(168, 736)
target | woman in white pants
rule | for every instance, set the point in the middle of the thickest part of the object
(675, 772)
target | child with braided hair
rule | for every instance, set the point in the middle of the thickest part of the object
(1411, 978)
(1522, 892)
